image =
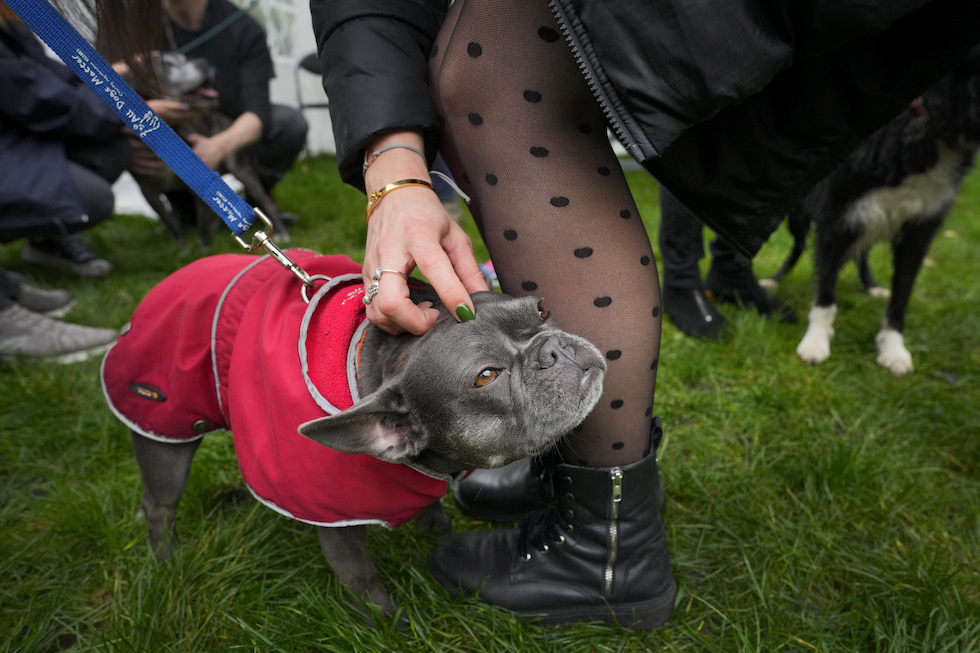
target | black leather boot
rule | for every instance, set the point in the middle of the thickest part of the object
(506, 494)
(693, 313)
(598, 553)
(736, 284)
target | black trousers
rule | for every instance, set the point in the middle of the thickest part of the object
(682, 246)
(94, 168)
(280, 145)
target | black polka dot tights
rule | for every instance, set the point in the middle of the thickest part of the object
(527, 142)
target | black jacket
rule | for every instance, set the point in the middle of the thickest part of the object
(737, 106)
(42, 106)
(239, 55)
(374, 55)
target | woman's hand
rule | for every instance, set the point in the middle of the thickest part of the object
(245, 130)
(410, 228)
(173, 112)
(143, 161)
(210, 149)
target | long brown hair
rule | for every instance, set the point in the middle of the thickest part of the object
(124, 30)
(7, 14)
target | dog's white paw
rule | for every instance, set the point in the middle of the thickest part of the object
(892, 353)
(769, 283)
(878, 291)
(814, 348)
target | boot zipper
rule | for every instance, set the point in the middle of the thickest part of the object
(699, 300)
(616, 497)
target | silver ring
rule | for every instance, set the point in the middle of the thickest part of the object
(369, 293)
(379, 271)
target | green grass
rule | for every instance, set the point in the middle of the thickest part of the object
(830, 508)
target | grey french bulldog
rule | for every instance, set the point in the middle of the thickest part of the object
(483, 393)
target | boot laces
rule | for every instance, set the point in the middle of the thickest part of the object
(544, 529)
(541, 531)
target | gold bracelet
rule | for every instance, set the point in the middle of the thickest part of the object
(376, 196)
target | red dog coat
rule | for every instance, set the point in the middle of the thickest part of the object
(228, 343)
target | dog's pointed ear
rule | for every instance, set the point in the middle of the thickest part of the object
(380, 425)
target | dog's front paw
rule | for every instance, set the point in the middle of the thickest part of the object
(892, 353)
(434, 520)
(814, 348)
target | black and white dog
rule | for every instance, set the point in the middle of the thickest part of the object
(898, 186)
(190, 81)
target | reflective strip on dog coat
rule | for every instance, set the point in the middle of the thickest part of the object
(228, 343)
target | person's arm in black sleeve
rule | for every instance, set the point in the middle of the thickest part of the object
(375, 56)
(255, 69)
(255, 72)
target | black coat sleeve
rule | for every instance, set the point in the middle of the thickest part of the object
(253, 72)
(374, 55)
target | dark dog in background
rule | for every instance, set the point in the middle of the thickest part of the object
(191, 82)
(898, 186)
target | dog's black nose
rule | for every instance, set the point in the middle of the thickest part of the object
(551, 350)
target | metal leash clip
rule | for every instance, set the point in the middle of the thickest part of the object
(264, 240)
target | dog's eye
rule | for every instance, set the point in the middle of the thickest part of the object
(485, 377)
(543, 311)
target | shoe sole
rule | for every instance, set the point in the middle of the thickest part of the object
(35, 257)
(79, 356)
(708, 330)
(63, 359)
(640, 615)
(61, 311)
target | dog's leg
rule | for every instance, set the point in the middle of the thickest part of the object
(164, 470)
(434, 520)
(798, 222)
(271, 209)
(204, 219)
(829, 256)
(240, 164)
(909, 250)
(814, 348)
(153, 192)
(871, 287)
(346, 551)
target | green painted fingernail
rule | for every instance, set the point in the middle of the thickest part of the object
(464, 313)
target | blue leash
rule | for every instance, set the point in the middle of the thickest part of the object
(110, 87)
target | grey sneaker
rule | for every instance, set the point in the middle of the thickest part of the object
(23, 333)
(52, 303)
(67, 253)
